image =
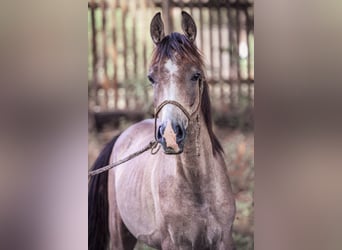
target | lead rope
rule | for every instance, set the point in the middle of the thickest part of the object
(152, 145)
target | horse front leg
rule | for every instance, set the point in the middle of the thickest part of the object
(226, 243)
(168, 244)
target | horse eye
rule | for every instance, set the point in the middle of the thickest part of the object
(195, 77)
(150, 79)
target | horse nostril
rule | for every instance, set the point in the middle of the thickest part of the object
(159, 133)
(180, 133)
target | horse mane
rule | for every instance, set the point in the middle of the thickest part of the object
(176, 43)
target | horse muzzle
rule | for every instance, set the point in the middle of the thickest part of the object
(171, 136)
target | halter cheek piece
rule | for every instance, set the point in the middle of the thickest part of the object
(181, 107)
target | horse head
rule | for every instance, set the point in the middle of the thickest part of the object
(176, 74)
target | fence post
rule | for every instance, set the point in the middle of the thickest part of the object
(167, 14)
(94, 51)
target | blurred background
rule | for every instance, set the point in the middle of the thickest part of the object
(119, 94)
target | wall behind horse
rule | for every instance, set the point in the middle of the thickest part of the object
(120, 49)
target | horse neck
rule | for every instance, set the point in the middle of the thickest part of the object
(197, 157)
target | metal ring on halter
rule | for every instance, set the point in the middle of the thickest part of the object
(178, 105)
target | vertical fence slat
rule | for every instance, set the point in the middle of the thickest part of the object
(135, 54)
(105, 83)
(211, 43)
(104, 37)
(248, 57)
(231, 59)
(94, 51)
(124, 10)
(237, 55)
(220, 55)
(201, 24)
(115, 55)
(144, 5)
(167, 14)
(134, 39)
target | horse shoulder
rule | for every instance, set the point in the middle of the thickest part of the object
(133, 138)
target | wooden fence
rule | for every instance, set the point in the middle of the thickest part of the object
(120, 48)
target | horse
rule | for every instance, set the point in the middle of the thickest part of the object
(179, 197)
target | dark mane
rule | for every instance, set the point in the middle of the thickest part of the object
(176, 43)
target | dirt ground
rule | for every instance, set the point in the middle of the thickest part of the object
(239, 156)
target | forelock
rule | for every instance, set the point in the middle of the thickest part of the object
(175, 45)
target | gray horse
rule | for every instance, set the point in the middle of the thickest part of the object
(180, 197)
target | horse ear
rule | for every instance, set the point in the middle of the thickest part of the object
(189, 26)
(157, 28)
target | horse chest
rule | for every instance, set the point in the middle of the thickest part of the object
(197, 227)
(191, 215)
